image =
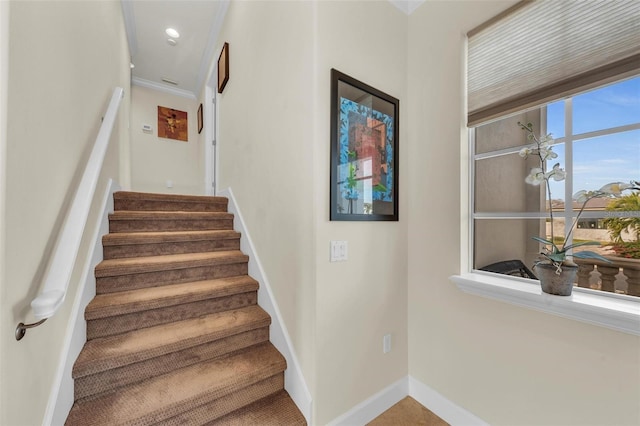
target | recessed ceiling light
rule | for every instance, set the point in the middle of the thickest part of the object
(172, 33)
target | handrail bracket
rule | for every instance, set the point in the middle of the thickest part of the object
(22, 328)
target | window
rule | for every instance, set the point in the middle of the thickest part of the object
(597, 139)
(538, 62)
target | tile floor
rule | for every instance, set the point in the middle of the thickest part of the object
(407, 412)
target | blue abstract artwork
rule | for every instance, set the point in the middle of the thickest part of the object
(365, 166)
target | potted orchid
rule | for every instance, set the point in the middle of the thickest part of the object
(555, 268)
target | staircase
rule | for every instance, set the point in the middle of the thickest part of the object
(174, 334)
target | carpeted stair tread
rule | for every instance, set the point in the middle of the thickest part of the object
(134, 238)
(110, 326)
(132, 195)
(154, 221)
(227, 404)
(126, 302)
(166, 215)
(140, 244)
(137, 265)
(275, 410)
(97, 384)
(173, 393)
(116, 351)
(168, 202)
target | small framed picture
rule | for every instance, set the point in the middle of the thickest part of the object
(223, 67)
(172, 124)
(200, 119)
(364, 151)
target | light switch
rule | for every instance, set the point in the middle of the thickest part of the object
(338, 251)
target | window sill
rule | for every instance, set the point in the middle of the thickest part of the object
(614, 311)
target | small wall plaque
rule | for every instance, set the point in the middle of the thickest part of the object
(223, 67)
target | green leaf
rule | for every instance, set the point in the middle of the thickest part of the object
(542, 240)
(549, 243)
(584, 243)
(586, 254)
(557, 257)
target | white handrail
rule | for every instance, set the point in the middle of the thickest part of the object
(64, 256)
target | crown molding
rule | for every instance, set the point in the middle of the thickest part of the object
(407, 6)
(163, 88)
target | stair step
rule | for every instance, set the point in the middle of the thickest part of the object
(135, 346)
(139, 244)
(127, 302)
(275, 410)
(190, 387)
(119, 324)
(218, 408)
(124, 200)
(152, 221)
(151, 271)
(111, 362)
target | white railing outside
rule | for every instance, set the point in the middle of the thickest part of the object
(56, 281)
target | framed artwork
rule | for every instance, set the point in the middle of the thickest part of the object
(172, 124)
(364, 151)
(200, 119)
(223, 67)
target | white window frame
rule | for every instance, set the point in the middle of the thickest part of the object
(614, 311)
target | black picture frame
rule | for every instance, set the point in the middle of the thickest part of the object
(200, 120)
(364, 151)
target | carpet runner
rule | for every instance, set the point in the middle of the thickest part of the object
(174, 334)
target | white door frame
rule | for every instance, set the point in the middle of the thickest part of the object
(211, 135)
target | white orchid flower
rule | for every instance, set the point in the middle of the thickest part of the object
(583, 196)
(546, 140)
(547, 153)
(580, 196)
(536, 177)
(557, 173)
(614, 188)
(525, 152)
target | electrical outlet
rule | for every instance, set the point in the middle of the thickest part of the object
(386, 343)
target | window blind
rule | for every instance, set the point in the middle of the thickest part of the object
(540, 51)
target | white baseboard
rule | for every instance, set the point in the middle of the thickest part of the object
(371, 408)
(293, 378)
(61, 396)
(444, 408)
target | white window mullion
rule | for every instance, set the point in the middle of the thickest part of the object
(472, 197)
(568, 166)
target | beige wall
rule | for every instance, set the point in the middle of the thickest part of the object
(265, 147)
(65, 60)
(506, 364)
(4, 85)
(274, 153)
(361, 300)
(155, 160)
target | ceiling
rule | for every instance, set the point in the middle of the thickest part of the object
(183, 68)
(187, 62)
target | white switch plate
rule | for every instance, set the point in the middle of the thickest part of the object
(338, 251)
